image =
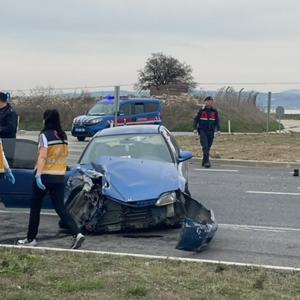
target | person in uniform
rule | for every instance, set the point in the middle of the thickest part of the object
(8, 118)
(206, 122)
(49, 178)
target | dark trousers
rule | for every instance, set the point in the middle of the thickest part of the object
(206, 141)
(56, 192)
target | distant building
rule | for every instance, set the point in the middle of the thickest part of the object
(170, 89)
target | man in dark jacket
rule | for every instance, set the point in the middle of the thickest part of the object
(206, 122)
(8, 118)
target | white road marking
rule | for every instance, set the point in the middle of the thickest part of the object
(184, 259)
(216, 170)
(272, 193)
(259, 228)
(230, 226)
(26, 212)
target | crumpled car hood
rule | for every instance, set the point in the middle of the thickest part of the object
(137, 179)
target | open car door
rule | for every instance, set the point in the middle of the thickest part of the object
(21, 155)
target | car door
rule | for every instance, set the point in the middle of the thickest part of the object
(175, 149)
(125, 113)
(138, 114)
(21, 155)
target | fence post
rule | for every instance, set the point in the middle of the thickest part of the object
(239, 96)
(229, 127)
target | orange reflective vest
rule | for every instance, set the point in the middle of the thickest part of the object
(57, 154)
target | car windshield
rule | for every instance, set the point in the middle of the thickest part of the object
(139, 146)
(102, 109)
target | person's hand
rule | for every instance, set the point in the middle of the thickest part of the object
(9, 176)
(39, 183)
(195, 131)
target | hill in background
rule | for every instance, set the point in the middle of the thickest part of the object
(289, 99)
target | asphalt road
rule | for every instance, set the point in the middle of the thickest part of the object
(257, 208)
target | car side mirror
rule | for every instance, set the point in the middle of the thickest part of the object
(184, 155)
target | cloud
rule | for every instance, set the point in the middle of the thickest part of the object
(67, 42)
(209, 19)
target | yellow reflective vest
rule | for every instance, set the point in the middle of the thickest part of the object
(1, 158)
(57, 154)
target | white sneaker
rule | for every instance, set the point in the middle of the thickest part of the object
(78, 240)
(27, 242)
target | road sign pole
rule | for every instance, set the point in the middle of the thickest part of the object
(269, 110)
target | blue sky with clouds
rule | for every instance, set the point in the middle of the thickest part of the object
(87, 42)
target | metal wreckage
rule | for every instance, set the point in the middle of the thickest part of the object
(103, 201)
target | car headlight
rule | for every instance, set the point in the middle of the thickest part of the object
(75, 121)
(93, 121)
(166, 199)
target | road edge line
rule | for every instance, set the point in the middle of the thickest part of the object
(147, 256)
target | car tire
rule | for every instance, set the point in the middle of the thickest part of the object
(81, 138)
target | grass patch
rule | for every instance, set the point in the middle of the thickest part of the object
(19, 264)
(89, 276)
(268, 147)
(138, 292)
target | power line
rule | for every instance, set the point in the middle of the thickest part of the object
(70, 88)
(132, 84)
(250, 83)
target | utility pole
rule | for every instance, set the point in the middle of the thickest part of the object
(268, 110)
(117, 103)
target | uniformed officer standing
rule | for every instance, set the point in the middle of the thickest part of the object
(49, 178)
(206, 122)
(8, 118)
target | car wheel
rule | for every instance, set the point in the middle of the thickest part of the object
(81, 138)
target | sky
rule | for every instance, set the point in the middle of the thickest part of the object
(76, 43)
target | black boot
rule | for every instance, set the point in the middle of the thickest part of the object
(206, 161)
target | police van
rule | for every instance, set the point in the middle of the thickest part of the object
(132, 111)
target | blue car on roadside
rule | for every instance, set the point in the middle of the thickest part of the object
(132, 111)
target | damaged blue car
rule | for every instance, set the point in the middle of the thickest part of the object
(130, 177)
(136, 177)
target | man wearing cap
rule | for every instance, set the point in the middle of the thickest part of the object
(8, 118)
(206, 122)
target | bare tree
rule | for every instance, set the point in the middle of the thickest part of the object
(161, 70)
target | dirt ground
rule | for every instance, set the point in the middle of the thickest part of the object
(265, 147)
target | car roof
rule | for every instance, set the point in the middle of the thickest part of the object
(131, 129)
(122, 100)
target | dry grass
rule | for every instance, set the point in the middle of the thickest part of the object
(47, 275)
(31, 108)
(178, 111)
(268, 147)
